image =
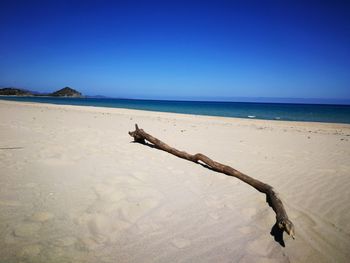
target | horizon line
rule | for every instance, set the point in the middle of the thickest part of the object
(286, 100)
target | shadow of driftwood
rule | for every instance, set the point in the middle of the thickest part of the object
(276, 232)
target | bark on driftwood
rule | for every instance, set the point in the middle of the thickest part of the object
(274, 201)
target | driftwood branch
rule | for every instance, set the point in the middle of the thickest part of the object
(275, 202)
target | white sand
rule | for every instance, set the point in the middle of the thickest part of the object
(73, 188)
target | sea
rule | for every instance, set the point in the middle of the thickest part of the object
(266, 111)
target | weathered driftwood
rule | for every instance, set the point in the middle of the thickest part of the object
(282, 219)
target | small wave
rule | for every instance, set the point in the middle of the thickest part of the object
(251, 116)
(277, 118)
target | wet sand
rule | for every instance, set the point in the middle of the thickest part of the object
(74, 188)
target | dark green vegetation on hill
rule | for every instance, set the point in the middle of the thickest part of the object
(65, 92)
(15, 92)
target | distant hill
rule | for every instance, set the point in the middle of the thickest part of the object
(66, 92)
(15, 92)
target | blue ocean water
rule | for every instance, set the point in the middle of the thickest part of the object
(268, 111)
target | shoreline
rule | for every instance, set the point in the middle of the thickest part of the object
(211, 112)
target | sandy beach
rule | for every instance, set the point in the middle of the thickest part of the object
(74, 188)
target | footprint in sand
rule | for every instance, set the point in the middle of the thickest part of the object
(132, 211)
(103, 227)
(30, 251)
(65, 241)
(42, 216)
(141, 175)
(214, 202)
(90, 243)
(181, 243)
(249, 212)
(26, 230)
(149, 227)
(102, 190)
(109, 193)
(215, 216)
(54, 254)
(246, 230)
(261, 246)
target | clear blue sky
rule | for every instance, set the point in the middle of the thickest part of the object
(178, 49)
